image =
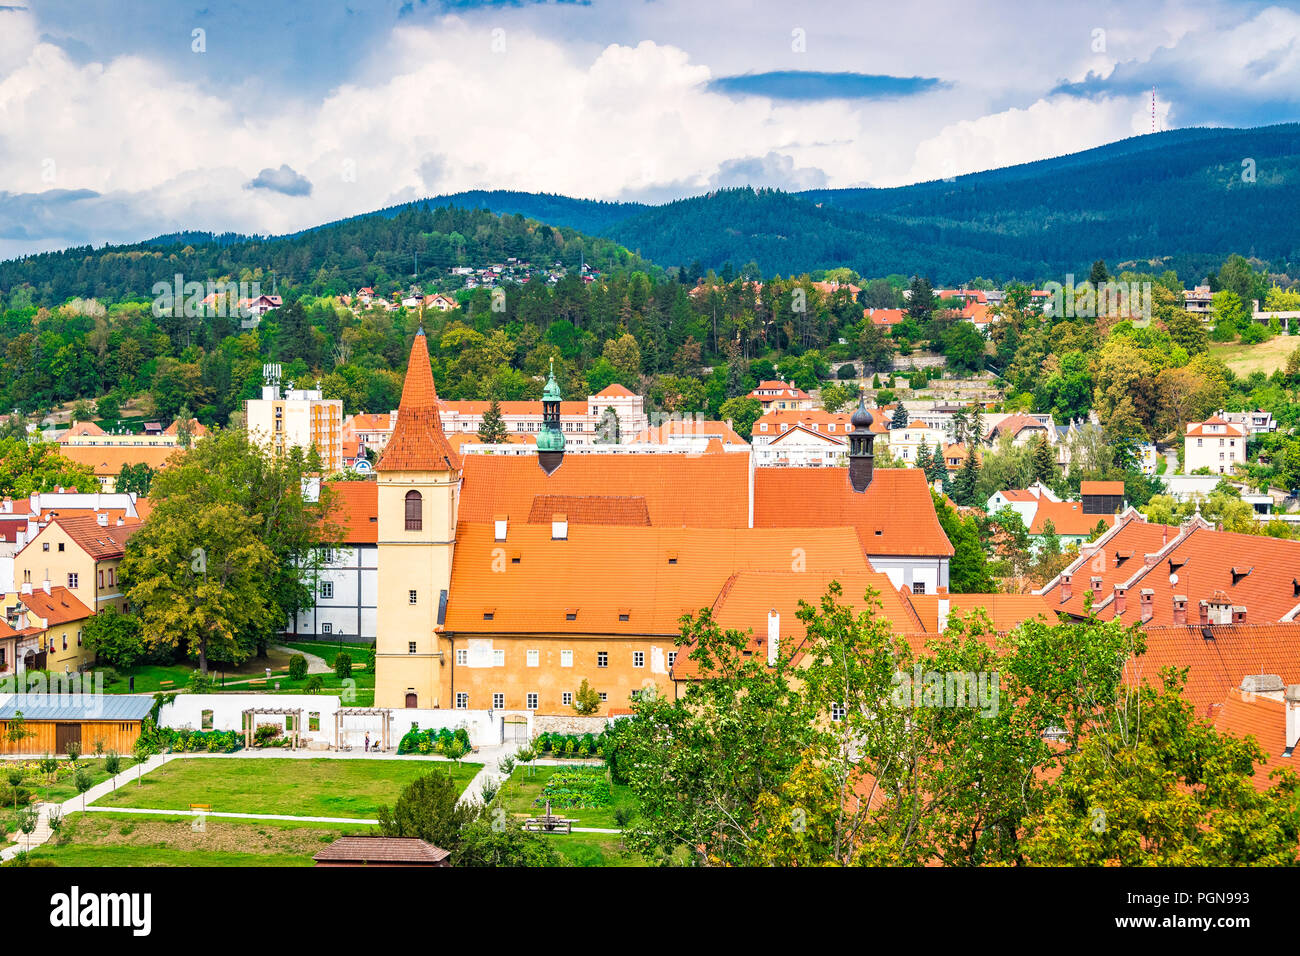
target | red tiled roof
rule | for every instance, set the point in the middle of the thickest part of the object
(1216, 664)
(1067, 517)
(886, 316)
(380, 849)
(418, 442)
(58, 607)
(1264, 718)
(1198, 430)
(355, 509)
(895, 515)
(1015, 424)
(697, 491)
(101, 543)
(79, 429)
(627, 510)
(651, 575)
(107, 460)
(615, 390)
(1005, 612)
(10, 529)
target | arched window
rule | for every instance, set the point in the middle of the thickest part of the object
(414, 505)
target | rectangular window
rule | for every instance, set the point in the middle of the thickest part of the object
(313, 720)
(604, 697)
(672, 658)
(602, 658)
(462, 656)
(327, 589)
(638, 658)
(837, 711)
(533, 657)
(462, 700)
(327, 628)
(567, 698)
(112, 576)
(60, 545)
(412, 596)
(918, 587)
(566, 658)
(410, 647)
(498, 658)
(206, 720)
(72, 580)
(532, 701)
(498, 701)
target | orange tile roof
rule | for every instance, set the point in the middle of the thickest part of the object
(1019, 494)
(651, 575)
(1101, 488)
(747, 597)
(197, 430)
(80, 429)
(886, 316)
(1198, 430)
(698, 491)
(1067, 517)
(625, 510)
(1015, 424)
(368, 422)
(58, 607)
(10, 528)
(107, 460)
(513, 409)
(894, 516)
(143, 508)
(1254, 571)
(1264, 718)
(101, 543)
(1216, 664)
(1005, 612)
(418, 442)
(355, 508)
(458, 440)
(615, 390)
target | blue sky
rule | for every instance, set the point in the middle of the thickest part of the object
(121, 121)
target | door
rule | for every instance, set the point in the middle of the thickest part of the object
(411, 701)
(65, 734)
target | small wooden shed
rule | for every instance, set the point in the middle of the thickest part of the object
(381, 851)
(53, 721)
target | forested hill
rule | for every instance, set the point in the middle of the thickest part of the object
(375, 250)
(1180, 200)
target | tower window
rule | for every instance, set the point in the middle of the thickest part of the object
(414, 508)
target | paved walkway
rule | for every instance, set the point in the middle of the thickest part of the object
(272, 816)
(315, 665)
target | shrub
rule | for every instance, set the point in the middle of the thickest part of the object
(343, 665)
(113, 763)
(489, 790)
(315, 684)
(74, 751)
(298, 667)
(847, 372)
(265, 734)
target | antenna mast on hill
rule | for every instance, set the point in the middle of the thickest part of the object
(1153, 109)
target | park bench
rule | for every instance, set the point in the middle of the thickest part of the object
(204, 807)
(549, 823)
(257, 683)
(166, 683)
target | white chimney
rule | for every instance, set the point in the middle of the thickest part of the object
(1292, 716)
(559, 527)
(101, 519)
(944, 605)
(501, 521)
(773, 636)
(27, 587)
(45, 585)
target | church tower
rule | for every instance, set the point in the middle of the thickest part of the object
(419, 491)
(550, 440)
(862, 460)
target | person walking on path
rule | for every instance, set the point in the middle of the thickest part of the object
(367, 741)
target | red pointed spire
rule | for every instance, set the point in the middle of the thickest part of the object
(418, 442)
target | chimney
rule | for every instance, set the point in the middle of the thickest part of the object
(773, 636)
(120, 522)
(1239, 614)
(1067, 587)
(1147, 598)
(1121, 599)
(1204, 613)
(45, 585)
(101, 519)
(27, 587)
(500, 521)
(1180, 608)
(1292, 717)
(559, 527)
(1262, 685)
(944, 605)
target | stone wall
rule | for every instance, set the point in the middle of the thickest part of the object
(569, 724)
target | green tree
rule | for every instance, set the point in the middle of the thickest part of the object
(1044, 461)
(137, 478)
(742, 413)
(116, 637)
(586, 701)
(899, 419)
(27, 467)
(492, 430)
(968, 570)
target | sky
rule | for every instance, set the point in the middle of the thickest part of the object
(128, 119)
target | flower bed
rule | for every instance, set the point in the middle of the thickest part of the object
(576, 788)
(443, 741)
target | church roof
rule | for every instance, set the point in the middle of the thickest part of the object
(418, 442)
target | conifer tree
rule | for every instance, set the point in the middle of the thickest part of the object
(492, 430)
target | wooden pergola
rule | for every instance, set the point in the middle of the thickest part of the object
(383, 712)
(250, 725)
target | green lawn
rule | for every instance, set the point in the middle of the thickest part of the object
(578, 849)
(129, 839)
(320, 787)
(64, 786)
(149, 677)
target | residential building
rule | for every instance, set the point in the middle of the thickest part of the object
(905, 443)
(1068, 520)
(346, 599)
(1257, 422)
(297, 418)
(692, 435)
(108, 461)
(81, 554)
(1199, 300)
(48, 625)
(781, 396)
(1213, 444)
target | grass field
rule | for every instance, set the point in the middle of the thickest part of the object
(1264, 357)
(129, 839)
(578, 849)
(307, 788)
(149, 677)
